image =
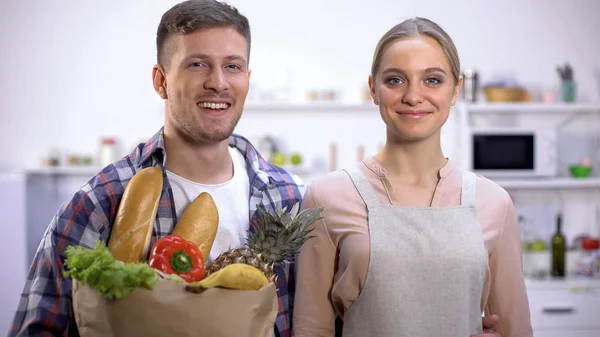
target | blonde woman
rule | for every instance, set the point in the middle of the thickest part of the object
(410, 245)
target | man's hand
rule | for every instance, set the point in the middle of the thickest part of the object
(488, 324)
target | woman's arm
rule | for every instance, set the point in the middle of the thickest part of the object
(314, 314)
(508, 296)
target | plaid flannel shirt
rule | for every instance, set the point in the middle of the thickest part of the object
(45, 307)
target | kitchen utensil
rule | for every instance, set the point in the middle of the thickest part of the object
(568, 86)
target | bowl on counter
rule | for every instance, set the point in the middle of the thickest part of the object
(580, 171)
(506, 94)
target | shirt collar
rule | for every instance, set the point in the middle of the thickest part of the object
(258, 168)
(154, 148)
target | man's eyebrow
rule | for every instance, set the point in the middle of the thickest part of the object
(236, 57)
(233, 57)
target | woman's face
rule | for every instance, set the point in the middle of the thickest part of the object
(414, 88)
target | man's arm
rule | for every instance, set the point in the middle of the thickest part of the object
(45, 307)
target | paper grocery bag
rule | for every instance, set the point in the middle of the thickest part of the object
(168, 310)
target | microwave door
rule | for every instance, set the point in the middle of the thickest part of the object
(506, 155)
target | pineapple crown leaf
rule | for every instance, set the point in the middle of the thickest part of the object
(280, 234)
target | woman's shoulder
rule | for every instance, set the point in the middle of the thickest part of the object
(333, 184)
(336, 188)
(490, 191)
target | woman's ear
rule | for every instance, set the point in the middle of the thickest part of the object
(372, 90)
(457, 89)
(159, 80)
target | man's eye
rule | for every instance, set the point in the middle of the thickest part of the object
(196, 64)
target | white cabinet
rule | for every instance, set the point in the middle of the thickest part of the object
(572, 333)
(565, 308)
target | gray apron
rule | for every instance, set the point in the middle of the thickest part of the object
(426, 269)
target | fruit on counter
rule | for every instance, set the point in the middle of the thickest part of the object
(100, 270)
(173, 254)
(276, 238)
(539, 246)
(296, 158)
(239, 276)
(199, 223)
(132, 228)
(278, 159)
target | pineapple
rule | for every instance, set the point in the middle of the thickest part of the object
(277, 238)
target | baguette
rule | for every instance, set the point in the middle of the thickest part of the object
(199, 223)
(132, 229)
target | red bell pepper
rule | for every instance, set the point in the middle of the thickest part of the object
(174, 255)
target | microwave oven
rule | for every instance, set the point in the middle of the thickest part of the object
(512, 152)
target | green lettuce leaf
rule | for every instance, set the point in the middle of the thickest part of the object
(112, 278)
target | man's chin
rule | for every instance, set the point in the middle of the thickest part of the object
(212, 138)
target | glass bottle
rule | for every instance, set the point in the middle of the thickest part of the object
(559, 248)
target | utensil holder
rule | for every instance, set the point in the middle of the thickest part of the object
(568, 91)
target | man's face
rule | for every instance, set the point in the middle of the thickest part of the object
(205, 85)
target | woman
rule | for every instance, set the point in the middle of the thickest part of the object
(409, 244)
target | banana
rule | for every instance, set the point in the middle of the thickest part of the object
(235, 276)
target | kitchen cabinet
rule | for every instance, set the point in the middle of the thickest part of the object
(565, 307)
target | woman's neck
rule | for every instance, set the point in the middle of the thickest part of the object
(412, 162)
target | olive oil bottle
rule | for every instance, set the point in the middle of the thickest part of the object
(559, 249)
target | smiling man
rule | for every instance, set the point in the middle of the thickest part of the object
(202, 73)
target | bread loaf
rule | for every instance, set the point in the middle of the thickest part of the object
(199, 223)
(132, 229)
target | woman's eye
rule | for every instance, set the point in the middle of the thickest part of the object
(394, 81)
(433, 80)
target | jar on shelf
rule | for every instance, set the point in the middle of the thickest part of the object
(588, 263)
(109, 152)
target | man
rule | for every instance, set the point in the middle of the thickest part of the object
(203, 76)
(202, 73)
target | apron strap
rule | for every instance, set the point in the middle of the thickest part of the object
(364, 188)
(469, 182)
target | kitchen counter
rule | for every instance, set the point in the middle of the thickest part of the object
(564, 307)
(571, 283)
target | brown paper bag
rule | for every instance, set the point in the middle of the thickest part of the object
(168, 310)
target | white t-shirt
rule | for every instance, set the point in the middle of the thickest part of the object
(231, 198)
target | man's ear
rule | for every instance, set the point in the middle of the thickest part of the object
(159, 80)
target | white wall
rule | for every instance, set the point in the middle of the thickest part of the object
(69, 62)
(12, 245)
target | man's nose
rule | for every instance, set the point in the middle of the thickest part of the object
(216, 81)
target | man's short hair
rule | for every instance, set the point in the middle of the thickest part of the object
(194, 15)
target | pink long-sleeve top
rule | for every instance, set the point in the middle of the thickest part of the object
(328, 281)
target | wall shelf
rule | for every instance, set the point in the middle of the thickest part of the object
(533, 107)
(64, 171)
(562, 183)
(520, 107)
(310, 107)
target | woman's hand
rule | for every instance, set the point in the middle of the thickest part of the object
(488, 324)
